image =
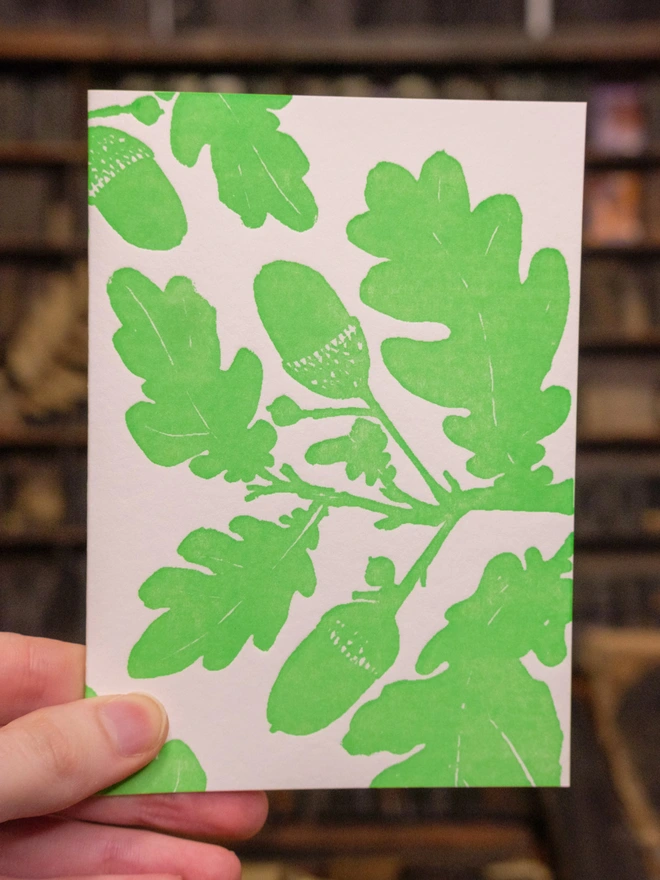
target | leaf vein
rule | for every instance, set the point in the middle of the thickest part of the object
(275, 183)
(152, 322)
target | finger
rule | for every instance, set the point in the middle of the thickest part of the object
(110, 877)
(36, 673)
(47, 847)
(53, 758)
(227, 815)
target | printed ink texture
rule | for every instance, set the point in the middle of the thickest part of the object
(332, 425)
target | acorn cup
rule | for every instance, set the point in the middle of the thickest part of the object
(132, 192)
(321, 345)
(350, 648)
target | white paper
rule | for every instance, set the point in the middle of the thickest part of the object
(139, 512)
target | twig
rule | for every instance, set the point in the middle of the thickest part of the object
(439, 492)
(331, 411)
(420, 512)
(417, 573)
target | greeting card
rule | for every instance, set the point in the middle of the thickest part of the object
(332, 433)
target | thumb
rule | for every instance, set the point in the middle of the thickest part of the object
(55, 757)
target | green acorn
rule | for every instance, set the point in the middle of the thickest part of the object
(350, 648)
(285, 412)
(131, 191)
(320, 344)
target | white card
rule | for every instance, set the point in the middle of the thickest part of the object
(332, 435)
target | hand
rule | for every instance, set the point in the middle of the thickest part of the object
(57, 750)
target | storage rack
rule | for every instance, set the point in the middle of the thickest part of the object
(97, 60)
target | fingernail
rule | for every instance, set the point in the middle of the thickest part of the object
(136, 724)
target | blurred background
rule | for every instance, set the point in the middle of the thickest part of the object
(607, 52)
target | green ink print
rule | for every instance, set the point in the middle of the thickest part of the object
(90, 693)
(174, 769)
(320, 344)
(200, 412)
(477, 717)
(446, 263)
(482, 719)
(146, 110)
(285, 412)
(352, 646)
(322, 347)
(131, 191)
(259, 170)
(253, 579)
(165, 96)
(363, 450)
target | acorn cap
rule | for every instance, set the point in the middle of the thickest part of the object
(110, 152)
(299, 310)
(131, 191)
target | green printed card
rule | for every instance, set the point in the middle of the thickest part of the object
(332, 433)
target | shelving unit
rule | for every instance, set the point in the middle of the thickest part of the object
(618, 544)
(632, 445)
(579, 45)
(73, 537)
(622, 251)
(647, 346)
(25, 247)
(100, 60)
(40, 153)
(45, 437)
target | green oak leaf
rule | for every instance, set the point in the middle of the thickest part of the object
(259, 169)
(175, 768)
(255, 573)
(363, 450)
(482, 719)
(199, 412)
(448, 263)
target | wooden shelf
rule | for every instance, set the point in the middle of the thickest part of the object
(46, 437)
(642, 249)
(456, 47)
(618, 544)
(649, 158)
(24, 247)
(63, 536)
(619, 444)
(46, 153)
(507, 839)
(644, 346)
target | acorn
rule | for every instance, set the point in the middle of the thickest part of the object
(321, 345)
(131, 191)
(285, 412)
(350, 648)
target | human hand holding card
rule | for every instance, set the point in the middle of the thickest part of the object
(56, 750)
